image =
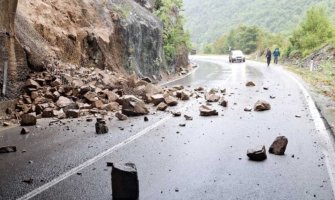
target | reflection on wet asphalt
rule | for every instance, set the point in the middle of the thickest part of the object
(204, 160)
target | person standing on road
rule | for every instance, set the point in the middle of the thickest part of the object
(276, 55)
(268, 56)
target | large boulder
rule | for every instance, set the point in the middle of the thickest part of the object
(28, 119)
(133, 106)
(278, 147)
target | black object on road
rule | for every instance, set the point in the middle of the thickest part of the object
(125, 181)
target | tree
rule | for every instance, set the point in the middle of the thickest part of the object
(314, 31)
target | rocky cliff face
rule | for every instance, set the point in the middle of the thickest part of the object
(123, 36)
(111, 34)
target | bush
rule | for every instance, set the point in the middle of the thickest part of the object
(314, 31)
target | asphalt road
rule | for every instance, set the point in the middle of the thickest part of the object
(204, 160)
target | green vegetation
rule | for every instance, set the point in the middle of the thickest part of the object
(323, 79)
(248, 39)
(208, 20)
(314, 31)
(175, 38)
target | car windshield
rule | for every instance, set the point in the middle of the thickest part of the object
(237, 53)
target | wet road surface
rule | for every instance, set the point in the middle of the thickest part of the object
(204, 160)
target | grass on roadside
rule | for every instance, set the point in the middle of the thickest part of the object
(322, 79)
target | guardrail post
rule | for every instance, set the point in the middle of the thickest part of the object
(5, 71)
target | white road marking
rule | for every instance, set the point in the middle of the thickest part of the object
(91, 161)
(327, 147)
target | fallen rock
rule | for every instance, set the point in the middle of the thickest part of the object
(47, 113)
(6, 124)
(170, 101)
(30, 83)
(157, 99)
(72, 113)
(199, 89)
(223, 102)
(100, 127)
(125, 181)
(262, 106)
(24, 131)
(132, 106)
(178, 87)
(121, 116)
(210, 97)
(63, 102)
(162, 106)
(28, 119)
(250, 84)
(278, 147)
(176, 114)
(8, 149)
(257, 154)
(189, 118)
(207, 111)
(185, 95)
(56, 82)
(114, 106)
(91, 96)
(247, 109)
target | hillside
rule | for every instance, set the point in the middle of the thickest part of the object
(207, 20)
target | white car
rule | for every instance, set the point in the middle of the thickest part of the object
(236, 56)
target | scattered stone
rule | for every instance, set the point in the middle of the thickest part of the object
(210, 97)
(125, 181)
(146, 119)
(223, 102)
(278, 147)
(162, 106)
(28, 180)
(199, 89)
(24, 131)
(56, 83)
(31, 84)
(182, 125)
(100, 127)
(178, 87)
(265, 88)
(250, 84)
(247, 109)
(272, 97)
(188, 118)
(176, 114)
(28, 119)
(257, 154)
(170, 101)
(185, 95)
(121, 116)
(262, 106)
(207, 111)
(8, 149)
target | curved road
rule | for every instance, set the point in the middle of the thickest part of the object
(204, 160)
